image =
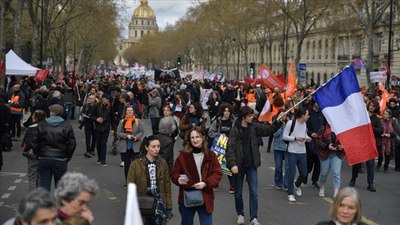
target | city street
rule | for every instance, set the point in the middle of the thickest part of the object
(382, 207)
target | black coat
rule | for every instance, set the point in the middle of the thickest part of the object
(54, 141)
(5, 118)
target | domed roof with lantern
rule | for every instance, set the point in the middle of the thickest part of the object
(144, 10)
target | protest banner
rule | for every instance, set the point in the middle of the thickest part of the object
(219, 145)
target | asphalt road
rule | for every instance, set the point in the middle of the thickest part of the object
(382, 207)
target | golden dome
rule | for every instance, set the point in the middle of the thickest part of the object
(143, 11)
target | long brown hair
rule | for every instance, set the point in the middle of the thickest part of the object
(189, 146)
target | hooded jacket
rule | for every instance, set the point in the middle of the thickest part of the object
(54, 139)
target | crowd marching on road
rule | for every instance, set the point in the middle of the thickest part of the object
(221, 134)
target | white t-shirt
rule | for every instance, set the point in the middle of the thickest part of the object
(300, 130)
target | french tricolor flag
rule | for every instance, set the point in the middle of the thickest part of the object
(342, 104)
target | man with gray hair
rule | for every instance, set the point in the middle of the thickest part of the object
(74, 193)
(54, 143)
(37, 207)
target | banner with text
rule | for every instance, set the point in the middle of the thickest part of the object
(219, 145)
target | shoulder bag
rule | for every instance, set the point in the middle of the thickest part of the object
(193, 198)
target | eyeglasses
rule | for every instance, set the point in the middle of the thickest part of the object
(81, 202)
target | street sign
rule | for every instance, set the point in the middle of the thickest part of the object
(302, 77)
(302, 66)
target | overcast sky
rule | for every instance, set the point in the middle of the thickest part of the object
(167, 11)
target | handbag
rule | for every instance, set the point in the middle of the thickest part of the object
(147, 205)
(193, 198)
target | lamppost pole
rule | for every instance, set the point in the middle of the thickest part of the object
(41, 36)
(389, 45)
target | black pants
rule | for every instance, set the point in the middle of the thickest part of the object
(313, 162)
(397, 158)
(16, 125)
(380, 160)
(128, 157)
(90, 138)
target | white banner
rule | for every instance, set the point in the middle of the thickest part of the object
(379, 76)
(204, 94)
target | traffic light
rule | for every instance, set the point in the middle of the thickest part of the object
(178, 61)
(252, 69)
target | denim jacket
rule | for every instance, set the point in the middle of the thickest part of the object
(279, 144)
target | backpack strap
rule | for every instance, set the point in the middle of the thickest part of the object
(292, 127)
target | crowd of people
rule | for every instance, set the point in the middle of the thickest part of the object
(301, 139)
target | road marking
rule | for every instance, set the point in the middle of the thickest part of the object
(2, 174)
(12, 188)
(363, 218)
(6, 195)
(272, 168)
(17, 181)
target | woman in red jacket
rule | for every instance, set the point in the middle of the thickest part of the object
(196, 168)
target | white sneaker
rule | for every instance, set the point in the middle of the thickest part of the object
(240, 220)
(297, 190)
(335, 193)
(254, 222)
(321, 192)
(291, 198)
(122, 164)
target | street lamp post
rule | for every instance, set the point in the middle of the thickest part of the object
(389, 45)
(41, 36)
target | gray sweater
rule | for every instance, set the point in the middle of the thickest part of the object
(300, 130)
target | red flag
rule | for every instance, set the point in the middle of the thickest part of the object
(248, 80)
(60, 77)
(291, 85)
(282, 77)
(269, 78)
(265, 114)
(1, 66)
(41, 74)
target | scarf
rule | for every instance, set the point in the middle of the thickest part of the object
(387, 141)
(129, 122)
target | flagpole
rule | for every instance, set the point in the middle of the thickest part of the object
(287, 111)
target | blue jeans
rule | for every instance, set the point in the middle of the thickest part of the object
(101, 144)
(187, 215)
(49, 168)
(332, 162)
(299, 160)
(370, 171)
(68, 109)
(252, 180)
(280, 180)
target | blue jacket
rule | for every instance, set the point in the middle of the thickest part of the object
(279, 144)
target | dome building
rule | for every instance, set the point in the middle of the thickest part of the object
(143, 22)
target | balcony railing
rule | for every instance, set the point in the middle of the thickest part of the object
(343, 57)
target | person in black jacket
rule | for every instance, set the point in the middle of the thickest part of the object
(103, 122)
(87, 113)
(54, 143)
(5, 117)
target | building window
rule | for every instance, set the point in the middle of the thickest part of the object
(313, 50)
(135, 33)
(142, 22)
(343, 46)
(308, 50)
(319, 49)
(141, 33)
(333, 48)
(326, 49)
(357, 45)
(377, 43)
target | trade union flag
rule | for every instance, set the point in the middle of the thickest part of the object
(341, 102)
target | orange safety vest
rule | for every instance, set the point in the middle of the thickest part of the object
(15, 98)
